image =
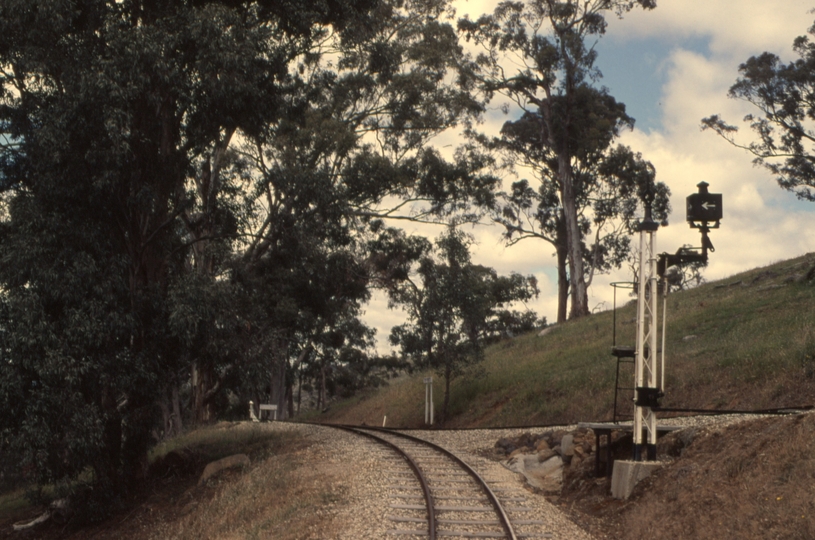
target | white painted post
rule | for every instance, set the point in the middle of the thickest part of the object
(431, 401)
(645, 367)
(664, 320)
(252, 416)
(428, 400)
(426, 404)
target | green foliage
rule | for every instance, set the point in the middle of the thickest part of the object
(782, 93)
(453, 309)
(510, 323)
(193, 196)
(118, 185)
(349, 149)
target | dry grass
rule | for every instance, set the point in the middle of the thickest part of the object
(279, 497)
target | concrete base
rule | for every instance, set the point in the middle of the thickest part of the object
(627, 474)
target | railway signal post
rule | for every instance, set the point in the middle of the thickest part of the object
(647, 394)
(704, 212)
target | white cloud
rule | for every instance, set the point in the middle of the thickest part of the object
(737, 28)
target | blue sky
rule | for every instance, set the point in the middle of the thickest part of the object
(672, 66)
(636, 70)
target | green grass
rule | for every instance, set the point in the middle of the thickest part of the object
(754, 348)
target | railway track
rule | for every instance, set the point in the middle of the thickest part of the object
(436, 494)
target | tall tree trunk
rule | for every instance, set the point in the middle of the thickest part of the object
(107, 470)
(577, 281)
(170, 405)
(299, 389)
(562, 272)
(199, 225)
(299, 374)
(289, 397)
(278, 382)
(178, 425)
(448, 373)
(323, 393)
(166, 417)
(202, 382)
(562, 285)
(290, 401)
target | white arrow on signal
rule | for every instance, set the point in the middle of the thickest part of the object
(707, 206)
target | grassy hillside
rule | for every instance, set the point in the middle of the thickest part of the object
(744, 342)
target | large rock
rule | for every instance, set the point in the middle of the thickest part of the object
(238, 460)
(506, 444)
(542, 445)
(567, 445)
(544, 475)
(526, 440)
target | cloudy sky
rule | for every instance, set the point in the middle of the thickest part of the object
(672, 66)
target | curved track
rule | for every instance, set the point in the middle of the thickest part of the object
(452, 492)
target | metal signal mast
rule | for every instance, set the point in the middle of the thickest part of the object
(647, 393)
(704, 212)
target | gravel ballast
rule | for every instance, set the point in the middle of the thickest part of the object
(368, 472)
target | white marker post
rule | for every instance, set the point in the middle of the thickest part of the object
(428, 400)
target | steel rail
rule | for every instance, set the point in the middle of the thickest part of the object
(722, 412)
(714, 412)
(499, 509)
(431, 513)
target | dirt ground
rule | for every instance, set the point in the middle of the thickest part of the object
(755, 479)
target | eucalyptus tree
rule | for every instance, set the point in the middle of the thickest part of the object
(610, 183)
(452, 305)
(783, 95)
(554, 86)
(352, 149)
(111, 111)
(345, 145)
